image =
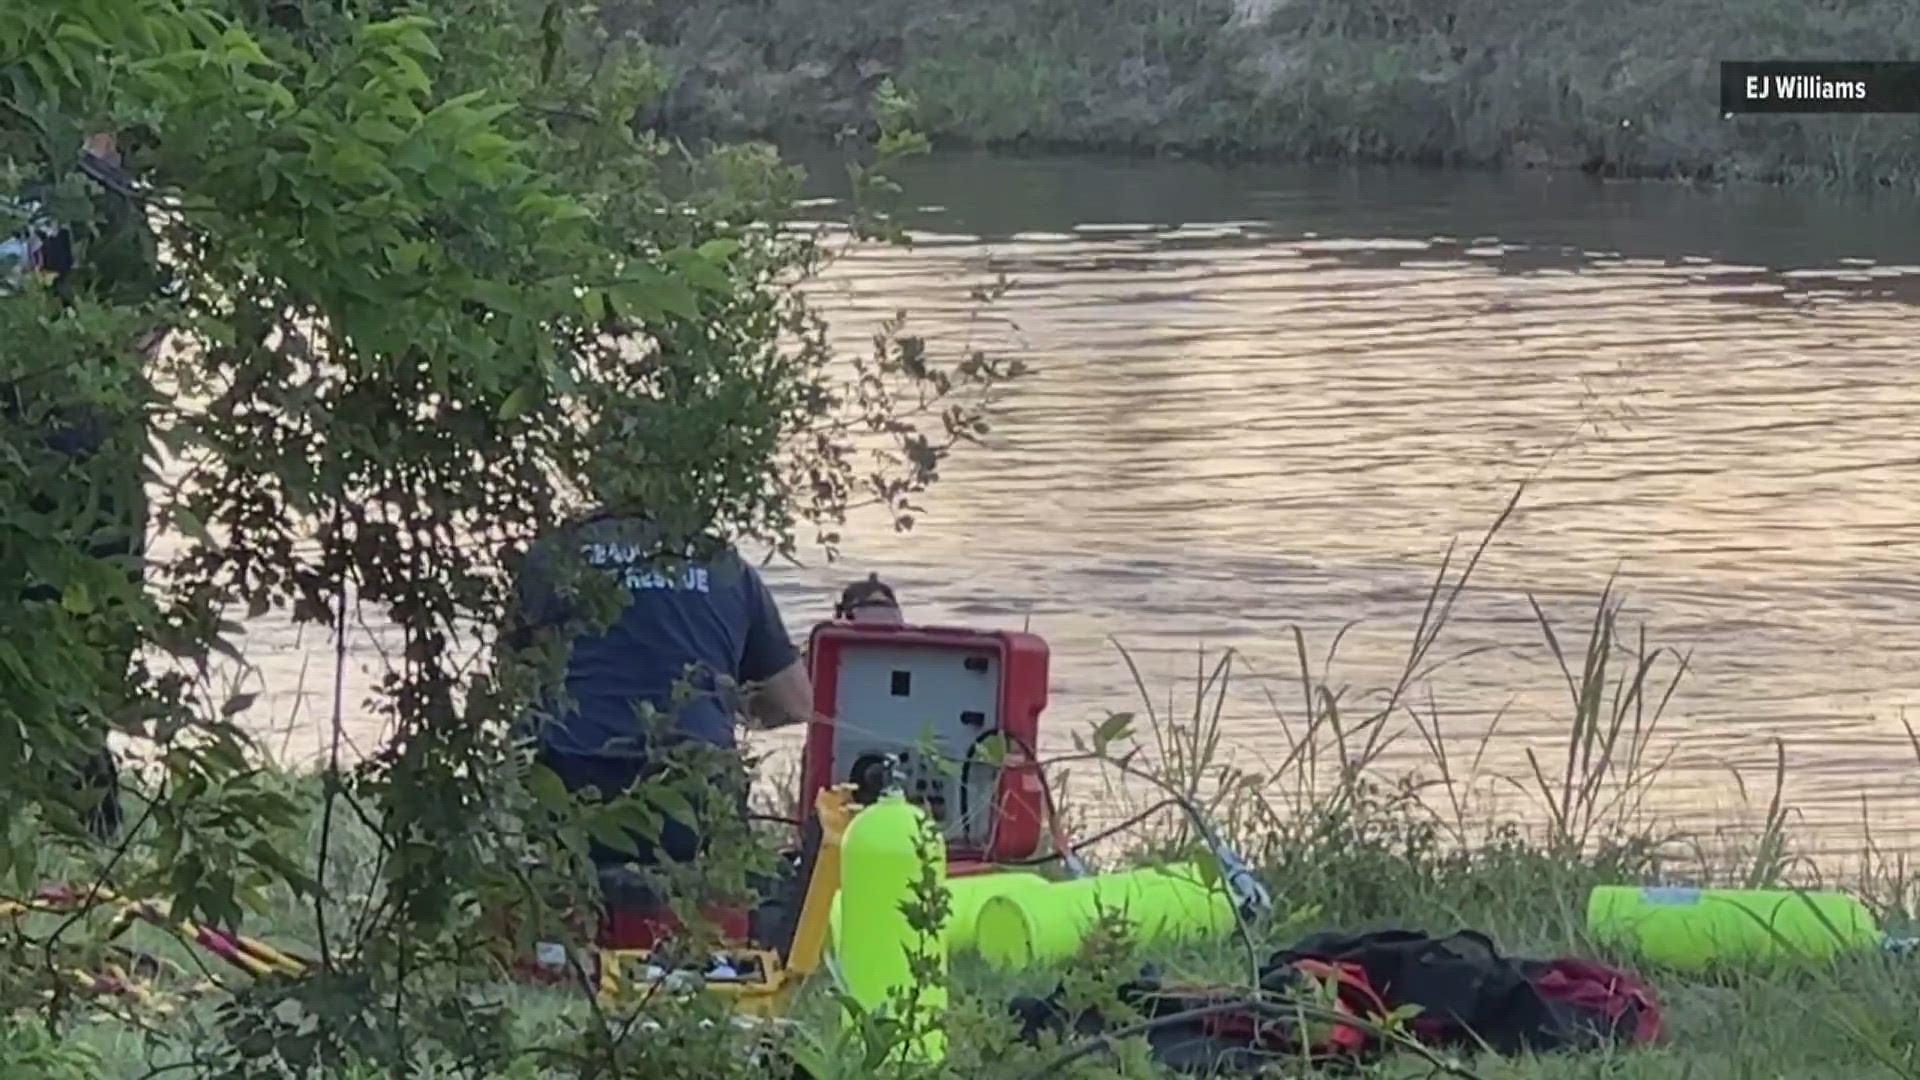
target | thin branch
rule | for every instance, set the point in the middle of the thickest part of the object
(331, 784)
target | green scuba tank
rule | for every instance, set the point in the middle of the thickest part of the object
(1032, 927)
(1698, 928)
(889, 850)
(966, 896)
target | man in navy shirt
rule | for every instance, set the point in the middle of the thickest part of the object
(698, 641)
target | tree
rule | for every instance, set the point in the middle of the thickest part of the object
(431, 295)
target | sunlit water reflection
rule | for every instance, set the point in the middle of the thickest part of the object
(1264, 400)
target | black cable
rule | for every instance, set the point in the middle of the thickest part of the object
(1096, 838)
(966, 767)
(1212, 839)
(1046, 790)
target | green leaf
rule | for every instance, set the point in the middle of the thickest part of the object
(719, 249)
(76, 600)
(670, 801)
(487, 114)
(496, 295)
(700, 272)
(1116, 726)
(191, 523)
(408, 257)
(379, 130)
(485, 144)
(225, 647)
(414, 155)
(65, 61)
(81, 33)
(548, 790)
(991, 751)
(416, 41)
(352, 163)
(202, 29)
(409, 75)
(654, 299)
(42, 71)
(518, 402)
(455, 108)
(238, 43)
(442, 181)
(560, 376)
(15, 663)
(612, 835)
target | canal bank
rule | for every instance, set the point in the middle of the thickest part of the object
(1622, 88)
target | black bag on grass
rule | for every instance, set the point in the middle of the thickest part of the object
(1327, 997)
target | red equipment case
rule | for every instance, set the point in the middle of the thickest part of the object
(911, 691)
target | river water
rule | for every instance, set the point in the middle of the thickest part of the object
(1267, 399)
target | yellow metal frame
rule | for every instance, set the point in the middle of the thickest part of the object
(768, 994)
(252, 956)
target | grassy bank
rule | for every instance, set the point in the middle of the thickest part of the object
(1341, 842)
(1617, 87)
(1368, 856)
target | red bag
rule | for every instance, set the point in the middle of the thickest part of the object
(1602, 996)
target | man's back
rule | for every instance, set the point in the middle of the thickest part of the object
(688, 629)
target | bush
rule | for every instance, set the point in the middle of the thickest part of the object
(29, 1051)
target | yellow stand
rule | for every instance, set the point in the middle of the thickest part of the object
(764, 991)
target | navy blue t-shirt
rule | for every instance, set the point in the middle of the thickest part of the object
(683, 625)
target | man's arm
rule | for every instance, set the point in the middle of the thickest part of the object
(779, 692)
(783, 700)
(537, 606)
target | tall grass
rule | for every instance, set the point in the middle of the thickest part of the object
(1330, 803)
(1606, 770)
(1346, 842)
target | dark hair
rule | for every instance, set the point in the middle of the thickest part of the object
(869, 593)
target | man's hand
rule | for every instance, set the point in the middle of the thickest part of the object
(783, 700)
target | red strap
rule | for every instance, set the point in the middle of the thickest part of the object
(1349, 980)
(1590, 983)
(1342, 1038)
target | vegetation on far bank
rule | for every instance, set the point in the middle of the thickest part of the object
(1616, 88)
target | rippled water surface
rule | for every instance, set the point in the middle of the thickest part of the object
(1264, 399)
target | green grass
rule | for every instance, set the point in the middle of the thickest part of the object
(1852, 1020)
(1344, 845)
(1617, 87)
